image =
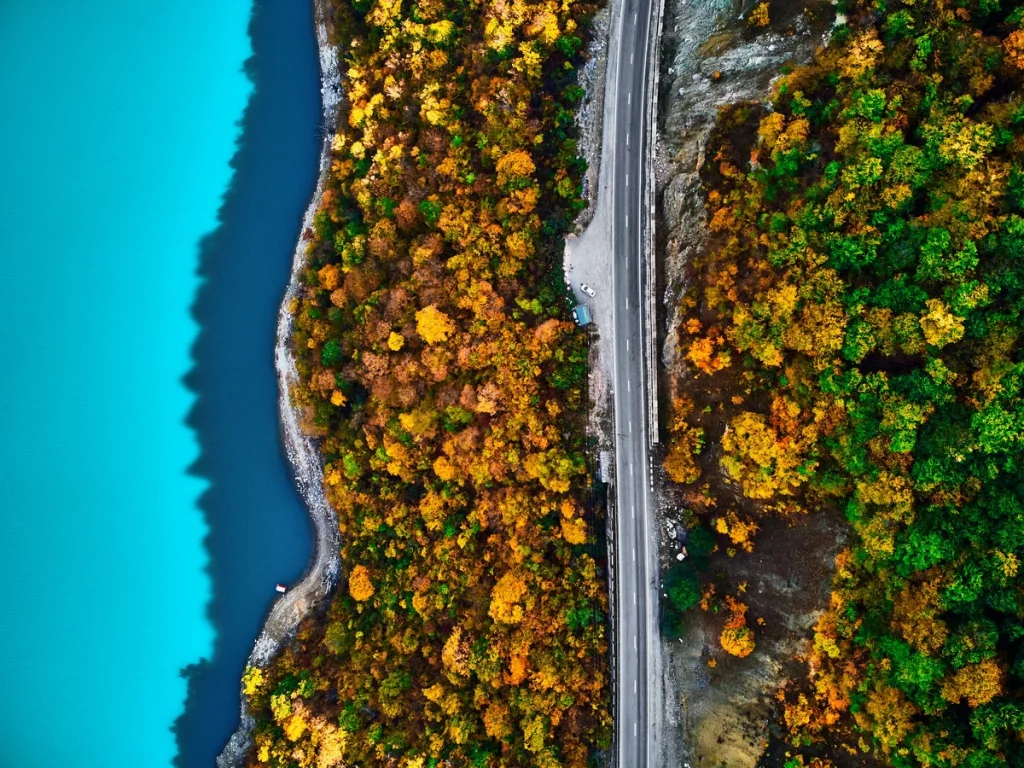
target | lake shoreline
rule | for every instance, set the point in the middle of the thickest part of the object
(303, 451)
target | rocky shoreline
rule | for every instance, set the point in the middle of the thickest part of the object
(303, 452)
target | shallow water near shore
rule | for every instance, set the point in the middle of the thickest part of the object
(132, 546)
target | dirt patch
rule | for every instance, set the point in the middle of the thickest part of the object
(725, 702)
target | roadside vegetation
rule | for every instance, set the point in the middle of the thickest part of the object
(447, 383)
(852, 342)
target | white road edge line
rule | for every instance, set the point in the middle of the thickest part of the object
(648, 620)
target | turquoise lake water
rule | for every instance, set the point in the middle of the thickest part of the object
(118, 120)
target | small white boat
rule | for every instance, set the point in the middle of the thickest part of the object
(282, 588)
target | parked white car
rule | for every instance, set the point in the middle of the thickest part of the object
(587, 289)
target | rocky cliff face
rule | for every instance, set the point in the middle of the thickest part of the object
(712, 56)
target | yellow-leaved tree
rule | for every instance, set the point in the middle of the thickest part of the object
(505, 599)
(433, 325)
(359, 584)
(737, 638)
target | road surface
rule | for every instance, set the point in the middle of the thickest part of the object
(636, 564)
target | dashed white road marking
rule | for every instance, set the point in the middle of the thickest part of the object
(627, 180)
(627, 345)
(628, 388)
(629, 98)
(627, 139)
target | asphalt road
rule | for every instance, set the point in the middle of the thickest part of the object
(636, 620)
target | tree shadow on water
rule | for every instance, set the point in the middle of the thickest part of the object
(258, 529)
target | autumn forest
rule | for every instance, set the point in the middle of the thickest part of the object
(445, 378)
(852, 343)
(851, 346)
